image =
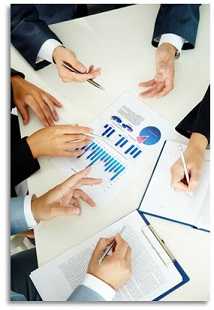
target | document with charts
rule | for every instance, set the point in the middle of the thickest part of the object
(131, 136)
(154, 272)
(162, 200)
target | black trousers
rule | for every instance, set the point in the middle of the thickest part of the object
(22, 264)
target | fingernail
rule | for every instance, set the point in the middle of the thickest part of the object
(76, 210)
(83, 69)
(88, 168)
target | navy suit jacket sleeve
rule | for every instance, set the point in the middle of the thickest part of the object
(23, 164)
(28, 32)
(180, 19)
(198, 120)
(13, 72)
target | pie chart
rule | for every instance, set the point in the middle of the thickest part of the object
(149, 135)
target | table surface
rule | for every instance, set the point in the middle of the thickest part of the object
(119, 41)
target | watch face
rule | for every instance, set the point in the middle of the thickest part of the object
(177, 54)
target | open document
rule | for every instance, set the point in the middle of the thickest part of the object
(128, 136)
(154, 270)
(162, 200)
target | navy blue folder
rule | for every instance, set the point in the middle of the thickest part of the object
(159, 216)
(183, 274)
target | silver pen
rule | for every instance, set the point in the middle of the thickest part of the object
(184, 164)
(72, 69)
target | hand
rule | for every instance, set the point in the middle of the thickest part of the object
(61, 54)
(194, 158)
(27, 95)
(27, 234)
(163, 81)
(60, 140)
(115, 269)
(64, 199)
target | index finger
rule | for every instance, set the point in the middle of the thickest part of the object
(121, 247)
(71, 129)
(147, 83)
(101, 246)
(73, 180)
(82, 77)
(89, 181)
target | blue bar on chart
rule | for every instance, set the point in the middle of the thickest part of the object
(108, 131)
(137, 154)
(94, 153)
(133, 150)
(118, 143)
(123, 143)
(129, 149)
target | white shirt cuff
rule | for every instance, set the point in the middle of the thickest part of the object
(99, 286)
(28, 213)
(173, 39)
(46, 50)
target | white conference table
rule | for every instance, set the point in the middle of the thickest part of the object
(119, 41)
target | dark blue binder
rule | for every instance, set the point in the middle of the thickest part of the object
(183, 274)
(159, 216)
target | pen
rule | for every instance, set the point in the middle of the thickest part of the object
(184, 164)
(72, 69)
(108, 249)
(93, 135)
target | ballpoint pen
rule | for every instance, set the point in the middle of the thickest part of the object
(72, 69)
(185, 168)
(184, 164)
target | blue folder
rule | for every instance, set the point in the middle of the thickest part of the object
(180, 270)
(159, 216)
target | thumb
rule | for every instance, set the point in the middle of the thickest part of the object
(24, 113)
(79, 66)
(101, 246)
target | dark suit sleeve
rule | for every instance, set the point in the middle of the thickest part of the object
(13, 72)
(180, 19)
(28, 32)
(23, 165)
(198, 120)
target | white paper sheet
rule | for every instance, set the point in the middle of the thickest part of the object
(161, 199)
(132, 136)
(153, 271)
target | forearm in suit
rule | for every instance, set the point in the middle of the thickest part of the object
(198, 120)
(85, 294)
(23, 164)
(28, 32)
(179, 19)
(17, 216)
(14, 72)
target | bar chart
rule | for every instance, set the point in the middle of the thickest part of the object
(95, 153)
(122, 142)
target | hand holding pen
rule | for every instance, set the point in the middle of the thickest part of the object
(114, 269)
(79, 73)
(186, 171)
